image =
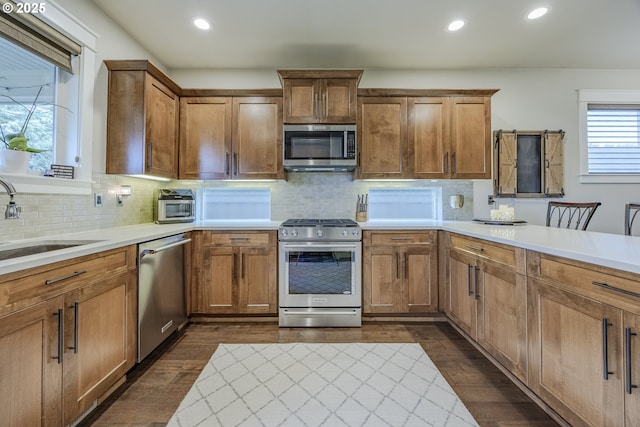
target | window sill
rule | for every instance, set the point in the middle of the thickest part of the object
(25, 183)
(610, 179)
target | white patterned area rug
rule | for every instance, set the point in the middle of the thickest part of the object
(302, 384)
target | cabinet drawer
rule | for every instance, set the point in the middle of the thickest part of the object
(491, 251)
(376, 238)
(617, 288)
(246, 238)
(24, 288)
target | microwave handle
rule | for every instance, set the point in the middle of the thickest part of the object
(345, 144)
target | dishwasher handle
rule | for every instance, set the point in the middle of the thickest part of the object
(163, 248)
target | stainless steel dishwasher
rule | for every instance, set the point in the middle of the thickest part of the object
(161, 291)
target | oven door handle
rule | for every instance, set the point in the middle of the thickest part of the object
(316, 248)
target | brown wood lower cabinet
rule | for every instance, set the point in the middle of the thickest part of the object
(486, 297)
(30, 369)
(584, 347)
(400, 272)
(59, 356)
(237, 273)
(99, 334)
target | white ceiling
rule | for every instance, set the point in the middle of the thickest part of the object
(390, 34)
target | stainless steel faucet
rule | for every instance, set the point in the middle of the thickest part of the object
(13, 211)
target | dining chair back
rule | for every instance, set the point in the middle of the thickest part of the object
(570, 214)
(630, 212)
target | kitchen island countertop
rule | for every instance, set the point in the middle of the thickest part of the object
(606, 249)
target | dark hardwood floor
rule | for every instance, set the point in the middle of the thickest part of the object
(155, 388)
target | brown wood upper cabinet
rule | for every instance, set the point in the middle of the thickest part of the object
(424, 137)
(231, 137)
(320, 96)
(142, 120)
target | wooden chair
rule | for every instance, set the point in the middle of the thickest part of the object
(630, 212)
(570, 214)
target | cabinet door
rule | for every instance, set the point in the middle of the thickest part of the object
(257, 138)
(632, 370)
(382, 137)
(460, 301)
(302, 97)
(427, 136)
(205, 138)
(502, 317)
(339, 101)
(30, 371)
(553, 164)
(568, 361)
(381, 281)
(505, 158)
(99, 340)
(219, 290)
(162, 129)
(257, 281)
(420, 279)
(470, 137)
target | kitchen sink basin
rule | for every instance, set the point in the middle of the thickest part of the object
(10, 251)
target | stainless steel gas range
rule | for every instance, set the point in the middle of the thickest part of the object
(320, 280)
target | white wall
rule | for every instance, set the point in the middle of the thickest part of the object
(112, 43)
(528, 99)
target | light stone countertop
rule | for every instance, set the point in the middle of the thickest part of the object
(609, 250)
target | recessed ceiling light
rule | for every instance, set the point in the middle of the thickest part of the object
(456, 25)
(537, 13)
(201, 23)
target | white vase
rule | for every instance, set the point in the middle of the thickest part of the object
(14, 161)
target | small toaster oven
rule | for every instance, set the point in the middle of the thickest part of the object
(175, 205)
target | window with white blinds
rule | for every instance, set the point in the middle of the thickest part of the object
(609, 136)
(613, 139)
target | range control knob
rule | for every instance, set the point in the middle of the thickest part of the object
(345, 233)
(294, 232)
(319, 233)
(284, 232)
(354, 232)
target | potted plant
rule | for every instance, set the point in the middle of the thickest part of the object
(15, 157)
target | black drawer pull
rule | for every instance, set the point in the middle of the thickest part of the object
(475, 248)
(613, 288)
(68, 276)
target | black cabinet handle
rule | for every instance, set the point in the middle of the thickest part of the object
(627, 347)
(613, 288)
(60, 335)
(150, 154)
(475, 281)
(75, 327)
(453, 167)
(242, 265)
(226, 164)
(605, 348)
(406, 258)
(469, 267)
(235, 163)
(397, 265)
(446, 162)
(68, 276)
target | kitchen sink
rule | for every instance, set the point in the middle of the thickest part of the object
(10, 251)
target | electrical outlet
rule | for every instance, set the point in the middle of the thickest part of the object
(97, 200)
(490, 199)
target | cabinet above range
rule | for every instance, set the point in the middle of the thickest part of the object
(320, 96)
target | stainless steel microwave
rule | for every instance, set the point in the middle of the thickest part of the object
(319, 147)
(175, 205)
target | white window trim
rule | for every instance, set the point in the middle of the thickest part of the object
(64, 22)
(586, 97)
